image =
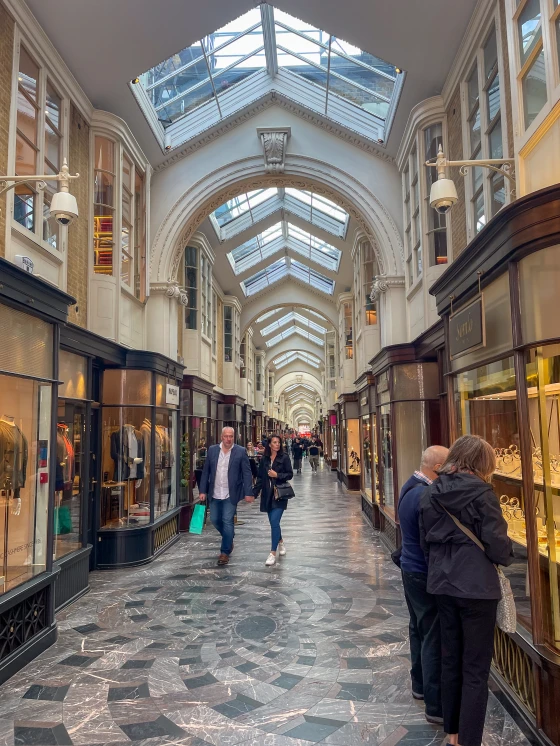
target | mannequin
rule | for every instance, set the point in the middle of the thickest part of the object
(13, 461)
(128, 453)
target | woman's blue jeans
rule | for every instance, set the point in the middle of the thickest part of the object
(275, 516)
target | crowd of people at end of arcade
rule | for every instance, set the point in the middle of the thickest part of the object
(298, 446)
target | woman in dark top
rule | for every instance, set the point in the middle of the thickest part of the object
(275, 467)
(464, 580)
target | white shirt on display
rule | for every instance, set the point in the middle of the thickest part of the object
(221, 485)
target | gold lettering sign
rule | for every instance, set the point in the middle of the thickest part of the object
(467, 330)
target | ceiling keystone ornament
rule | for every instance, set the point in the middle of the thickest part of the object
(382, 283)
(274, 141)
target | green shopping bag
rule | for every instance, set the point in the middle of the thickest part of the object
(197, 520)
(62, 520)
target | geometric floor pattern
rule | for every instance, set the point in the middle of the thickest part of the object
(313, 650)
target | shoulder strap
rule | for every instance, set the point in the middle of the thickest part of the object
(464, 529)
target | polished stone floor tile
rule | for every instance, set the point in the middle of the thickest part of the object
(311, 650)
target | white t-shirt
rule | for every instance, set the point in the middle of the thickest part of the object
(221, 484)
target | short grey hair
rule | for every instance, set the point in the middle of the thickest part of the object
(228, 427)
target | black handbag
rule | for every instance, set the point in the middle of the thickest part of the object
(283, 491)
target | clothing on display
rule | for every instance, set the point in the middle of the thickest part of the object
(65, 460)
(128, 452)
(13, 456)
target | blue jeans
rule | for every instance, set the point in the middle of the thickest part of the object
(222, 513)
(275, 516)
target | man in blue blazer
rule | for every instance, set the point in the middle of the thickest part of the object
(226, 479)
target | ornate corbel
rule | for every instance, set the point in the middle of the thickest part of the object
(382, 283)
(274, 141)
(171, 289)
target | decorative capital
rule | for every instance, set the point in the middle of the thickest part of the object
(171, 289)
(382, 283)
(274, 141)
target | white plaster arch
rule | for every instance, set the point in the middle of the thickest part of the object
(294, 343)
(286, 379)
(245, 174)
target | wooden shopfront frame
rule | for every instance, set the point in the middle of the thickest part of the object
(526, 664)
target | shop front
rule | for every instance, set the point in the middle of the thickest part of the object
(499, 300)
(368, 453)
(232, 414)
(350, 461)
(248, 415)
(199, 428)
(31, 315)
(257, 422)
(331, 439)
(407, 420)
(140, 460)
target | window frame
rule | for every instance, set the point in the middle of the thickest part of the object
(480, 195)
(190, 307)
(44, 79)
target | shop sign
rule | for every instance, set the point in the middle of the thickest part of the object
(172, 395)
(467, 328)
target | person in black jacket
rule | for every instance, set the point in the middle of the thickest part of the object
(297, 453)
(464, 580)
(275, 468)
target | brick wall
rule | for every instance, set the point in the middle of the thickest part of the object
(220, 345)
(79, 231)
(455, 136)
(6, 59)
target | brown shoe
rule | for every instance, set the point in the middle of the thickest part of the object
(223, 559)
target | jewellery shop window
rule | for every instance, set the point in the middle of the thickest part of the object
(486, 405)
(353, 446)
(25, 428)
(367, 462)
(70, 454)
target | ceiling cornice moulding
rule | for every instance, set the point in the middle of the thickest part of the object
(273, 98)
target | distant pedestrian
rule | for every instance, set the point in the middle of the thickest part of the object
(297, 452)
(275, 468)
(464, 579)
(314, 452)
(226, 479)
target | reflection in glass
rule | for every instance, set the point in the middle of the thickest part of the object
(69, 485)
(165, 466)
(387, 456)
(367, 456)
(534, 89)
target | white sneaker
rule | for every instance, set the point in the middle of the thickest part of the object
(271, 560)
(282, 549)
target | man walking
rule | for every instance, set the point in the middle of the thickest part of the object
(226, 479)
(314, 451)
(297, 451)
(424, 630)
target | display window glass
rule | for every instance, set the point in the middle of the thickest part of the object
(367, 463)
(343, 447)
(72, 371)
(25, 433)
(386, 436)
(127, 387)
(69, 477)
(125, 495)
(486, 405)
(353, 447)
(165, 465)
(412, 436)
(543, 384)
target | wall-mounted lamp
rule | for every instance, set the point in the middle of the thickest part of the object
(443, 194)
(64, 207)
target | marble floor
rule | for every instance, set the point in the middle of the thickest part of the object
(313, 650)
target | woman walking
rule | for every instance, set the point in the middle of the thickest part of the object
(275, 468)
(464, 579)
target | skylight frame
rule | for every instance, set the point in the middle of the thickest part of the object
(290, 317)
(288, 357)
(261, 247)
(302, 272)
(266, 76)
(294, 329)
(299, 385)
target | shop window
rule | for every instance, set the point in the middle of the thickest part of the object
(386, 438)
(40, 134)
(353, 455)
(191, 286)
(243, 355)
(165, 464)
(214, 323)
(486, 405)
(25, 445)
(126, 222)
(437, 227)
(259, 374)
(104, 205)
(416, 234)
(228, 334)
(205, 296)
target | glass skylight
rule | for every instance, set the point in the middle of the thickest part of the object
(285, 333)
(267, 315)
(261, 51)
(237, 206)
(289, 357)
(260, 247)
(282, 267)
(313, 248)
(292, 316)
(299, 385)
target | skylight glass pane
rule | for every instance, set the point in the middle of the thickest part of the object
(319, 203)
(315, 279)
(256, 249)
(237, 206)
(285, 333)
(311, 324)
(265, 277)
(267, 315)
(288, 357)
(313, 248)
